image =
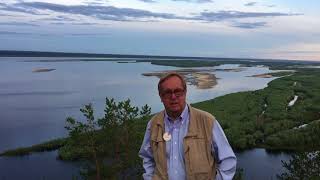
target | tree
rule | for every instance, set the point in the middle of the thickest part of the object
(111, 141)
(84, 132)
(239, 175)
(302, 166)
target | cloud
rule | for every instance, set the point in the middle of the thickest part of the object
(13, 33)
(58, 23)
(2, 14)
(49, 34)
(13, 8)
(17, 24)
(89, 34)
(135, 15)
(98, 12)
(95, 2)
(196, 1)
(225, 15)
(204, 1)
(189, 1)
(272, 5)
(24, 33)
(250, 4)
(148, 1)
(77, 24)
(249, 25)
(59, 18)
(85, 24)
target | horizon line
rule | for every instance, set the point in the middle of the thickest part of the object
(29, 53)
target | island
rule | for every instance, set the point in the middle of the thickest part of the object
(40, 70)
(201, 78)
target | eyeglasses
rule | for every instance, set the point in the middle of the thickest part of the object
(168, 93)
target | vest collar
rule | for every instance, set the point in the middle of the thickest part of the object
(193, 125)
(182, 116)
(163, 114)
(160, 119)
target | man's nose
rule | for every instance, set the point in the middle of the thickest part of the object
(173, 95)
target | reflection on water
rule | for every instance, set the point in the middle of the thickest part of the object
(259, 164)
(256, 163)
(37, 166)
(33, 106)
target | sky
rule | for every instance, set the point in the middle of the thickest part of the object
(264, 29)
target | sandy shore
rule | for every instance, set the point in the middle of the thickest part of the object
(232, 69)
(262, 75)
(201, 78)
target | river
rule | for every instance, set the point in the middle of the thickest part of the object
(34, 105)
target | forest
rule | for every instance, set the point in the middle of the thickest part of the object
(264, 118)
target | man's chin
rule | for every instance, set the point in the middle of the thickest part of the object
(175, 110)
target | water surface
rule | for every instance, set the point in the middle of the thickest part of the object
(33, 106)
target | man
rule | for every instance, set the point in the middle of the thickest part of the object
(183, 142)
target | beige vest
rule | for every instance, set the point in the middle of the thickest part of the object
(199, 161)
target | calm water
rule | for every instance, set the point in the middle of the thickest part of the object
(37, 166)
(259, 164)
(33, 106)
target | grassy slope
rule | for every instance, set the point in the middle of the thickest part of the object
(46, 146)
(281, 65)
(262, 117)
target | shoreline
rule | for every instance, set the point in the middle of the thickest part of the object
(195, 74)
(201, 78)
(56, 145)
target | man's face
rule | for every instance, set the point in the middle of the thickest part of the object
(173, 96)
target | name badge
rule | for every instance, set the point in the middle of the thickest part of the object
(166, 136)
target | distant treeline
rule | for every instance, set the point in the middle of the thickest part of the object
(272, 64)
(12, 53)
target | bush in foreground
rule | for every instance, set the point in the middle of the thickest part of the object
(110, 143)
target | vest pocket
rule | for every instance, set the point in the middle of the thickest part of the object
(197, 158)
(202, 176)
(158, 148)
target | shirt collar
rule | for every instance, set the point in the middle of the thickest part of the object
(182, 116)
